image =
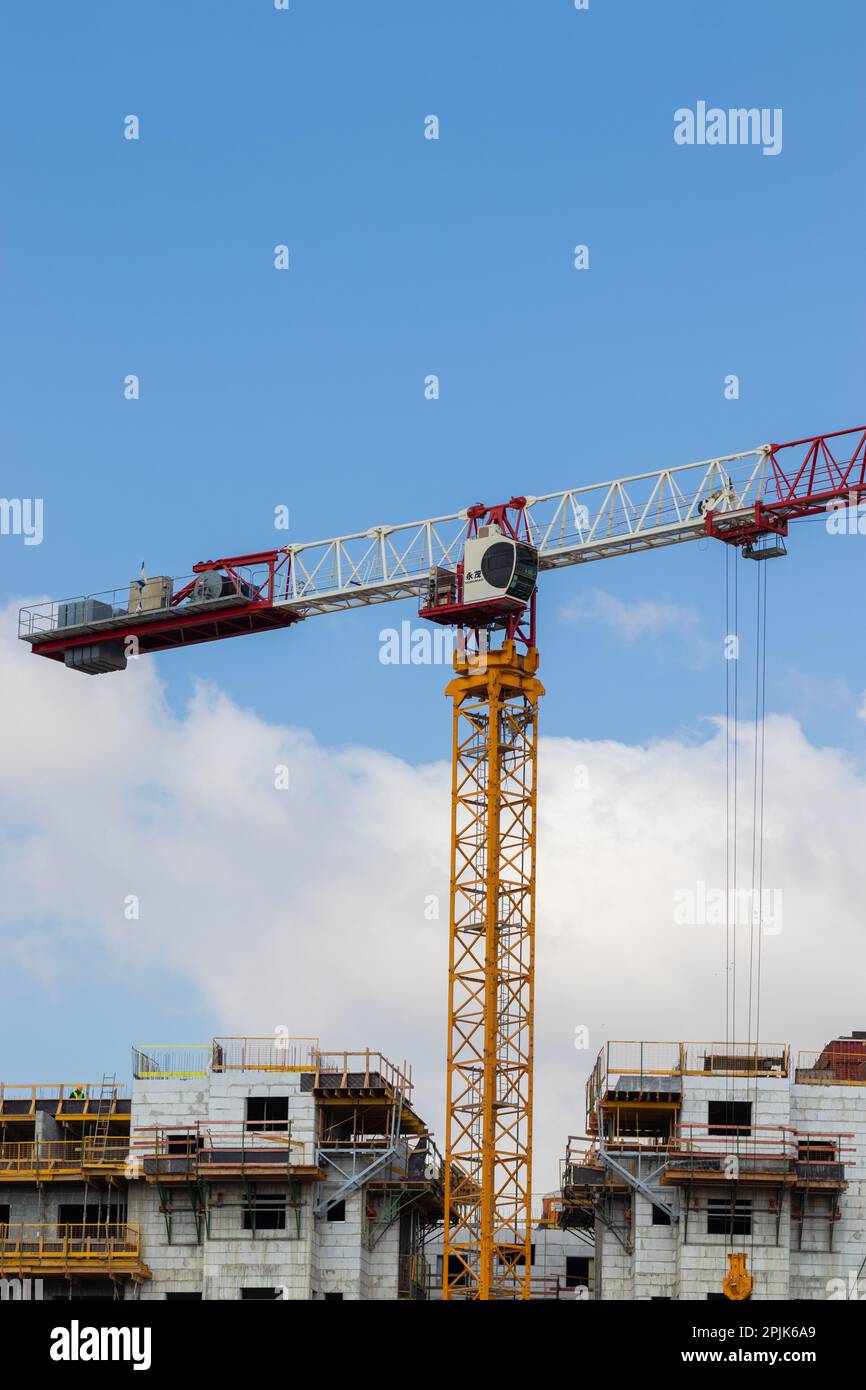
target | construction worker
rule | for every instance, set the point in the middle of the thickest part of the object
(78, 1093)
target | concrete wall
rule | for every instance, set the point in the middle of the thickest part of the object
(816, 1270)
(339, 1255)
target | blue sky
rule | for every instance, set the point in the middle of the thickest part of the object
(411, 257)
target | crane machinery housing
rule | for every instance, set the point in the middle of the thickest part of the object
(476, 571)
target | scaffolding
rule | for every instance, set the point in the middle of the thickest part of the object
(66, 1102)
(372, 1142)
(637, 1145)
(186, 1160)
(47, 1160)
(89, 1145)
(359, 1068)
(840, 1064)
(41, 1248)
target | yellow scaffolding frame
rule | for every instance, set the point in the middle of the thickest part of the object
(41, 1160)
(45, 1248)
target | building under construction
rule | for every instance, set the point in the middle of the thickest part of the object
(722, 1170)
(252, 1168)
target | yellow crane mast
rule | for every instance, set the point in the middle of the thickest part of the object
(488, 1167)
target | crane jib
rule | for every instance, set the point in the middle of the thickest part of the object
(740, 499)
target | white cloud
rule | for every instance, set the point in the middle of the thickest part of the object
(629, 619)
(306, 907)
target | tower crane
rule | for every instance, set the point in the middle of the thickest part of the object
(475, 571)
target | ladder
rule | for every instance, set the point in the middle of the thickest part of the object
(103, 1107)
(98, 1143)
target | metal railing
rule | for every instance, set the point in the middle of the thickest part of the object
(18, 1099)
(212, 1146)
(271, 1053)
(639, 1061)
(100, 612)
(821, 1158)
(583, 1173)
(579, 1153)
(42, 1246)
(832, 1066)
(740, 1152)
(736, 1059)
(158, 1062)
(55, 1157)
(731, 1151)
(362, 1070)
(633, 1064)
